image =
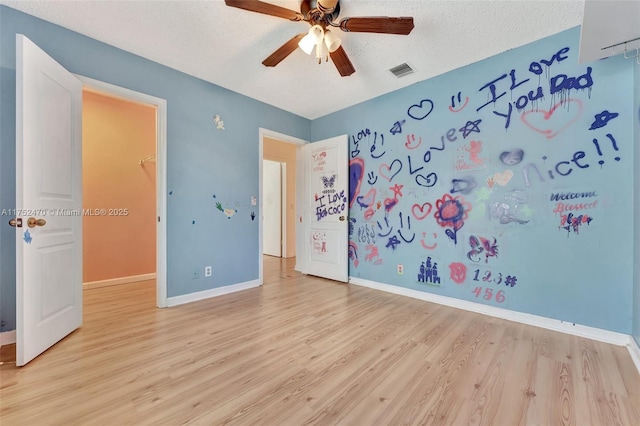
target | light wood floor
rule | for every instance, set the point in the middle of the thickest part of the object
(302, 350)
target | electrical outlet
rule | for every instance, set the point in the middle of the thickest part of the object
(400, 269)
(195, 274)
(207, 271)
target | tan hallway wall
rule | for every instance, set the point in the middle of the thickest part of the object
(116, 135)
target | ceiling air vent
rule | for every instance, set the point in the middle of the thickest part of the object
(401, 70)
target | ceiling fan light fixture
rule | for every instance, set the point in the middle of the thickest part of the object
(313, 37)
(331, 41)
(317, 32)
(306, 43)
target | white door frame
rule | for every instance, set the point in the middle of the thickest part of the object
(262, 133)
(284, 218)
(161, 171)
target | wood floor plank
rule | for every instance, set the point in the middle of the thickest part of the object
(304, 350)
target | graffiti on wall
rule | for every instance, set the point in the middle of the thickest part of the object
(451, 212)
(487, 154)
(428, 272)
(458, 272)
(509, 210)
(468, 156)
(573, 223)
(482, 248)
(574, 209)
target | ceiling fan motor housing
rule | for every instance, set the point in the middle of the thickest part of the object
(321, 12)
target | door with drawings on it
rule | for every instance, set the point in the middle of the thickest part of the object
(327, 208)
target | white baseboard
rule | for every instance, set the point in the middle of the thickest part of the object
(593, 333)
(200, 295)
(121, 280)
(7, 337)
(634, 351)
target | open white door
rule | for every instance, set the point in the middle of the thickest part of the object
(326, 199)
(48, 201)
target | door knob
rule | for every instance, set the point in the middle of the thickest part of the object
(16, 222)
(342, 218)
(32, 222)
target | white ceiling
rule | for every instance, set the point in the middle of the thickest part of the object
(226, 45)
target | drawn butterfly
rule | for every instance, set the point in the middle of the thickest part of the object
(329, 181)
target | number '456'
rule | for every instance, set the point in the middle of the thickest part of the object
(488, 294)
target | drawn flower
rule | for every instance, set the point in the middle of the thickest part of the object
(452, 211)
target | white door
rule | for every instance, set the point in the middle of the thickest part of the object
(48, 201)
(326, 208)
(272, 207)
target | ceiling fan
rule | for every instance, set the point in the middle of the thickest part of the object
(321, 15)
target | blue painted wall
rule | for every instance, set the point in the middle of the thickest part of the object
(506, 182)
(202, 161)
(636, 208)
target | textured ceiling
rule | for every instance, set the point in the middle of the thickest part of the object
(226, 46)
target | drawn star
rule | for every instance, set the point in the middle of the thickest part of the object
(483, 194)
(470, 127)
(393, 242)
(601, 120)
(27, 237)
(526, 210)
(397, 190)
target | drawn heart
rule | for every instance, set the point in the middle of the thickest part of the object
(367, 199)
(421, 211)
(420, 111)
(428, 180)
(503, 178)
(554, 121)
(390, 169)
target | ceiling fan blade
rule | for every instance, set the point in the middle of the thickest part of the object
(342, 62)
(283, 51)
(266, 8)
(378, 24)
